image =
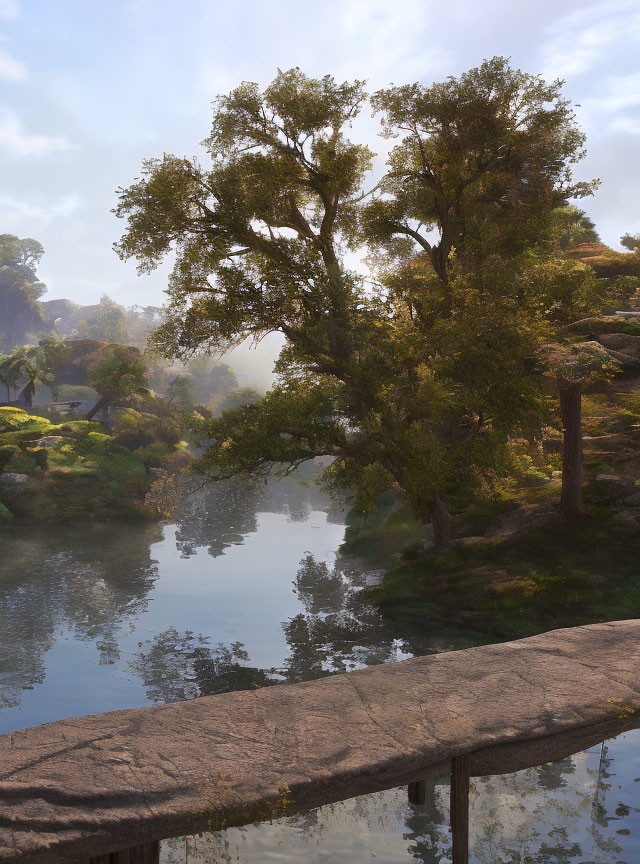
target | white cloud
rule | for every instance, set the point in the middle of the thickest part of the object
(8, 10)
(11, 68)
(388, 40)
(15, 141)
(615, 106)
(584, 38)
(24, 216)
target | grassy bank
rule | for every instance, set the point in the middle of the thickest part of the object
(516, 567)
(77, 470)
(556, 575)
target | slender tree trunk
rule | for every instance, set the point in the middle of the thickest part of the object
(572, 472)
(100, 404)
(441, 524)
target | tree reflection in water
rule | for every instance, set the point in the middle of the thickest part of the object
(222, 514)
(85, 581)
(176, 666)
(543, 815)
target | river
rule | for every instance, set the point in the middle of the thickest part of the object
(246, 588)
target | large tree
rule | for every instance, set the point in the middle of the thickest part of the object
(422, 382)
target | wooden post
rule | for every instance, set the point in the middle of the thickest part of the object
(460, 771)
(147, 853)
(418, 792)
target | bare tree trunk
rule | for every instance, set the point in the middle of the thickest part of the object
(100, 404)
(572, 472)
(441, 524)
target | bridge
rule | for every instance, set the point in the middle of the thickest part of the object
(107, 787)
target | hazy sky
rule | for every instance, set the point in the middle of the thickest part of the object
(89, 89)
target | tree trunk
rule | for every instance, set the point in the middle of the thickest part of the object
(572, 475)
(441, 524)
(102, 402)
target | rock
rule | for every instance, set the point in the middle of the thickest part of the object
(604, 443)
(624, 519)
(12, 478)
(522, 518)
(489, 576)
(615, 487)
(50, 441)
(621, 342)
(632, 500)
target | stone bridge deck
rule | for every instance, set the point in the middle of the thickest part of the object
(76, 788)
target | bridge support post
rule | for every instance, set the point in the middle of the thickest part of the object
(147, 853)
(460, 772)
(418, 792)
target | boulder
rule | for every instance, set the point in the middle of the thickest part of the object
(625, 519)
(615, 487)
(12, 478)
(521, 519)
(49, 441)
(621, 342)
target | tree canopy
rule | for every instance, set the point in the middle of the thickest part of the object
(420, 375)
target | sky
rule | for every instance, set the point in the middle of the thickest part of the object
(90, 89)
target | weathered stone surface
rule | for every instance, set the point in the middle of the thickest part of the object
(12, 478)
(616, 487)
(49, 441)
(625, 519)
(621, 342)
(522, 518)
(88, 785)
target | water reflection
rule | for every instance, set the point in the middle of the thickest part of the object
(175, 666)
(52, 585)
(565, 812)
(222, 514)
(103, 616)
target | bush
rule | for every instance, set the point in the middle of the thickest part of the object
(75, 393)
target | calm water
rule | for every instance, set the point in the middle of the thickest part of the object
(243, 589)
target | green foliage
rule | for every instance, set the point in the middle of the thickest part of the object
(516, 586)
(119, 373)
(238, 398)
(20, 290)
(80, 472)
(74, 393)
(422, 383)
(631, 242)
(484, 161)
(109, 324)
(180, 393)
(573, 227)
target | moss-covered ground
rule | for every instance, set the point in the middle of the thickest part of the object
(544, 574)
(75, 470)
